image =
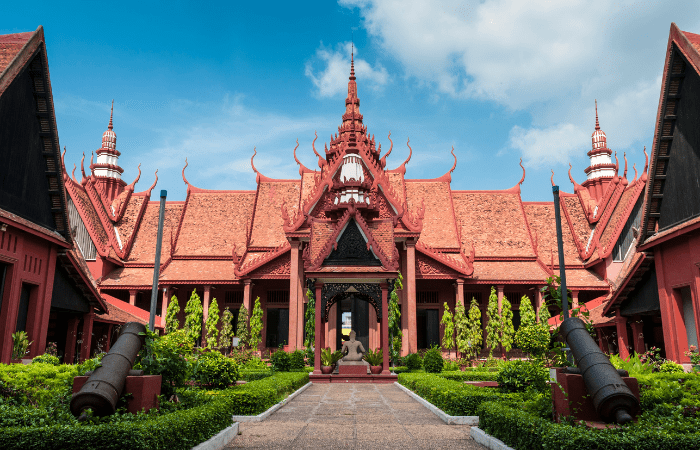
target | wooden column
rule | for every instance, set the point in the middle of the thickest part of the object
(205, 303)
(599, 332)
(318, 338)
(460, 292)
(164, 304)
(110, 330)
(332, 325)
(294, 297)
(132, 296)
(247, 294)
(410, 289)
(637, 335)
(574, 299)
(385, 329)
(668, 318)
(41, 320)
(88, 320)
(538, 303)
(500, 288)
(622, 338)
(71, 340)
(404, 307)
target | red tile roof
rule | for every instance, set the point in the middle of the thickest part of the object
(494, 222)
(618, 218)
(10, 45)
(267, 220)
(196, 270)
(577, 221)
(31, 225)
(578, 278)
(123, 312)
(144, 248)
(439, 228)
(90, 217)
(215, 221)
(128, 223)
(541, 217)
(126, 277)
(508, 271)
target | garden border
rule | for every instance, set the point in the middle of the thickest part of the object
(264, 415)
(219, 440)
(486, 440)
(450, 420)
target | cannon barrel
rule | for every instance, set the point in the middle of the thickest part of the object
(612, 399)
(105, 385)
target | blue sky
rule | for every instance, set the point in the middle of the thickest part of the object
(496, 79)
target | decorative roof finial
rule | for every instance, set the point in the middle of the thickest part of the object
(111, 114)
(352, 62)
(597, 125)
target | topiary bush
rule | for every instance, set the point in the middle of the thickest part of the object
(533, 339)
(46, 359)
(169, 356)
(212, 369)
(296, 360)
(520, 376)
(413, 361)
(433, 361)
(280, 361)
(670, 367)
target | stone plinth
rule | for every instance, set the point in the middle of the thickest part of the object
(145, 390)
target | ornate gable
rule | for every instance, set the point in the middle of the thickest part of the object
(351, 249)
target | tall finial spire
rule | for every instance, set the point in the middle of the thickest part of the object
(352, 62)
(597, 125)
(111, 114)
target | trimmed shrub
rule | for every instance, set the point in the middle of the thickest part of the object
(46, 359)
(254, 375)
(296, 360)
(168, 356)
(520, 376)
(280, 361)
(671, 367)
(215, 370)
(470, 375)
(453, 397)
(432, 361)
(413, 361)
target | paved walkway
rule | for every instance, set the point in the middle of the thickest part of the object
(372, 416)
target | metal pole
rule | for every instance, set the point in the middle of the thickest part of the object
(156, 266)
(560, 247)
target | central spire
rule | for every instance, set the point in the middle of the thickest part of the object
(352, 119)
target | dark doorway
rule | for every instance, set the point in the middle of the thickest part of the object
(428, 328)
(3, 274)
(23, 307)
(353, 314)
(277, 330)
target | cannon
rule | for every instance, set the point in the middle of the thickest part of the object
(611, 397)
(105, 385)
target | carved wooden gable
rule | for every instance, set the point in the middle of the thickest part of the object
(352, 249)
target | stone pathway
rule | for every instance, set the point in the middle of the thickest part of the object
(357, 416)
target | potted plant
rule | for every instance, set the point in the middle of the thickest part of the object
(20, 345)
(375, 360)
(694, 356)
(329, 360)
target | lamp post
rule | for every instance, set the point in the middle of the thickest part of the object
(562, 264)
(156, 266)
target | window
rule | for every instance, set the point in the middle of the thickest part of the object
(233, 297)
(468, 296)
(427, 327)
(277, 296)
(277, 329)
(626, 239)
(80, 233)
(427, 297)
(23, 312)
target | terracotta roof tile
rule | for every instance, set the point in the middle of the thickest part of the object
(307, 186)
(127, 224)
(199, 270)
(128, 276)
(694, 39)
(10, 45)
(383, 233)
(396, 180)
(123, 312)
(144, 248)
(89, 215)
(494, 222)
(439, 228)
(214, 222)
(523, 271)
(320, 232)
(29, 224)
(267, 221)
(542, 222)
(664, 233)
(584, 278)
(609, 234)
(596, 316)
(579, 223)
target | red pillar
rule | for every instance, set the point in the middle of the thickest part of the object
(294, 296)
(385, 329)
(668, 318)
(71, 338)
(460, 292)
(132, 296)
(247, 293)
(500, 288)
(404, 307)
(164, 304)
(8, 313)
(318, 338)
(411, 296)
(41, 320)
(88, 320)
(599, 333)
(110, 330)
(622, 338)
(574, 299)
(538, 302)
(637, 335)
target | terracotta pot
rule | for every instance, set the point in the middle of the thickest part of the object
(375, 370)
(326, 370)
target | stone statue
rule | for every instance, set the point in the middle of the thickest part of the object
(352, 349)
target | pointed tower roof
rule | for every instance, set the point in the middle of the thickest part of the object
(601, 164)
(107, 156)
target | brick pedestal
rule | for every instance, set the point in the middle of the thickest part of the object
(144, 389)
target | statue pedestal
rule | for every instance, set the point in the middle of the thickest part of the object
(353, 367)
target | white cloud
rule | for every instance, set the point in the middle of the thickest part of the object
(555, 144)
(332, 80)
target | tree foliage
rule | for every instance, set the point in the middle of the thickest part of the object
(310, 320)
(527, 312)
(171, 322)
(226, 329)
(461, 329)
(507, 329)
(194, 314)
(256, 325)
(395, 319)
(211, 325)
(476, 335)
(493, 332)
(448, 330)
(242, 330)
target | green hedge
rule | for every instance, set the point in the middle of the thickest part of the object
(453, 397)
(178, 430)
(254, 375)
(521, 430)
(458, 375)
